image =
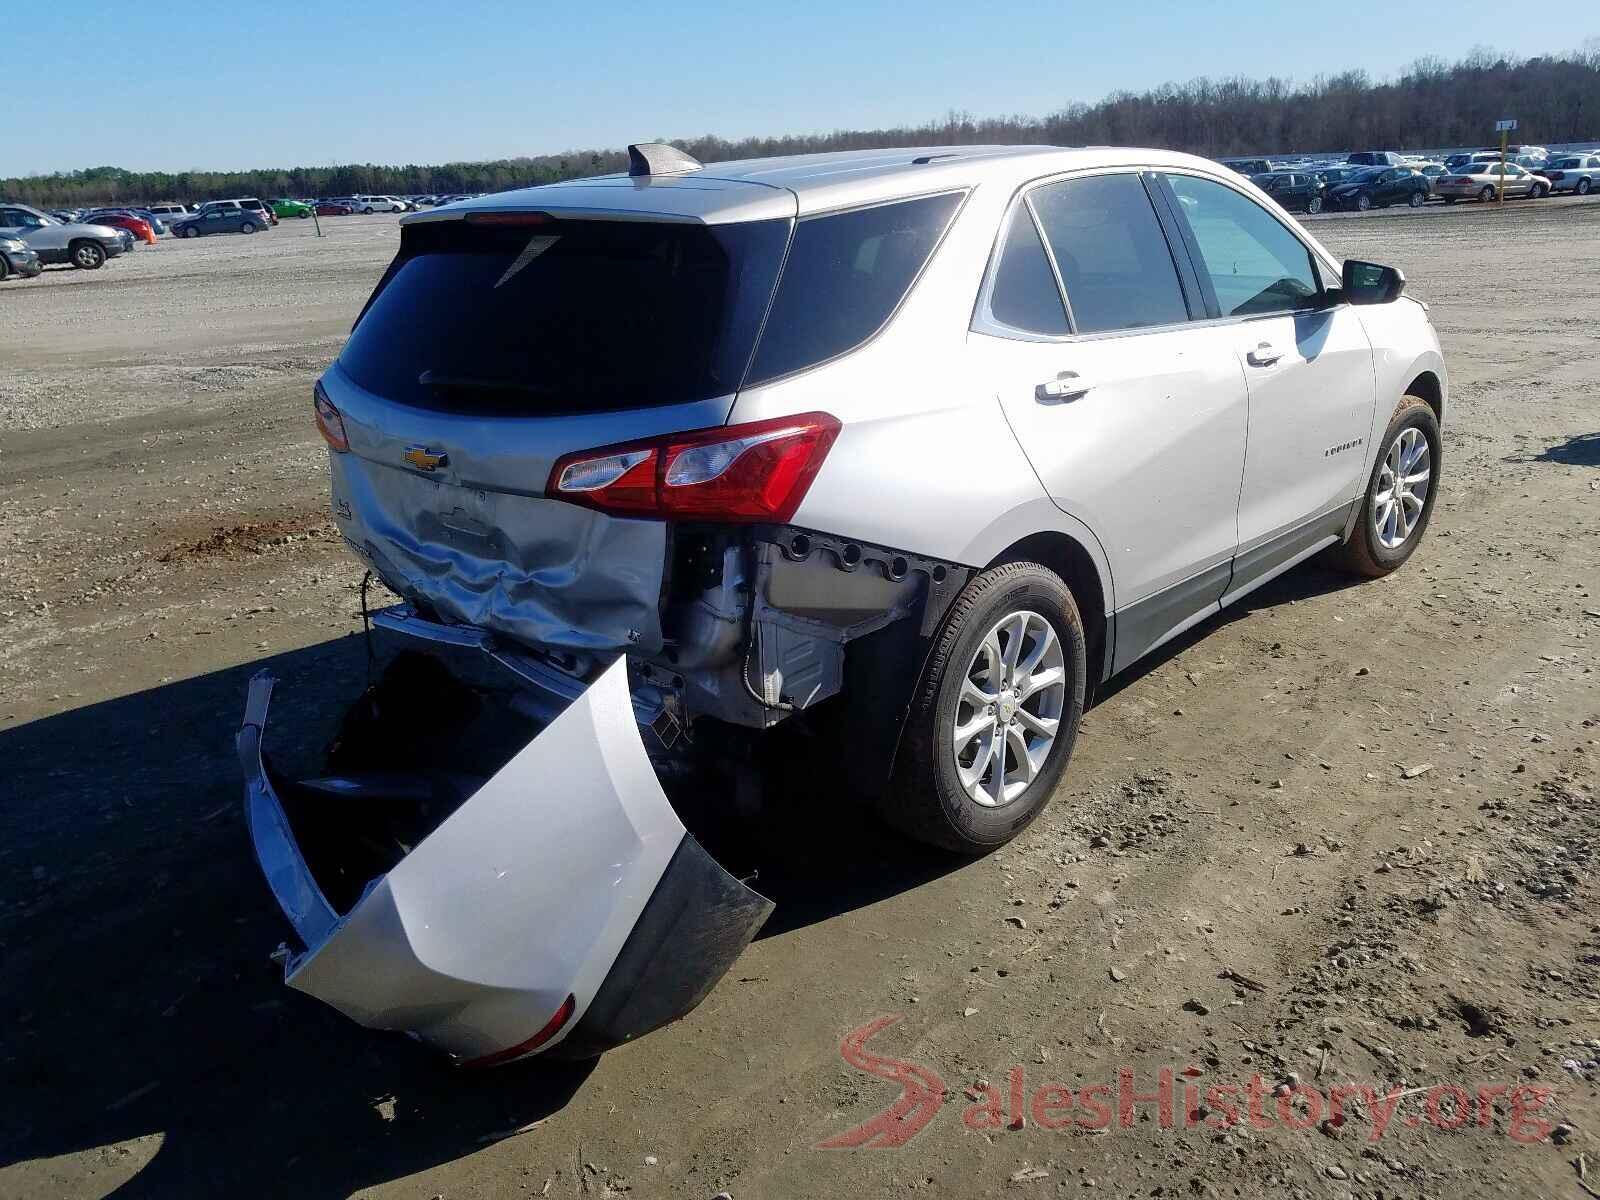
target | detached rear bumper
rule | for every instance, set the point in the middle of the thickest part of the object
(560, 904)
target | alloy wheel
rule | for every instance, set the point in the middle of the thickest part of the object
(1013, 695)
(1401, 491)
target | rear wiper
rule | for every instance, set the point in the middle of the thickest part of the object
(469, 383)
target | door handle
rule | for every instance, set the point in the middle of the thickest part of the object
(1065, 386)
(1264, 355)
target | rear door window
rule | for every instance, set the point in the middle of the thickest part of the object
(846, 274)
(1252, 261)
(1111, 253)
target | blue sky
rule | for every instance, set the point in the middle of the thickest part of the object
(316, 82)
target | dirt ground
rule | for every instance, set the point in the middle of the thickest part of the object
(1344, 835)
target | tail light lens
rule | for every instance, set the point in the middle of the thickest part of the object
(551, 1027)
(329, 423)
(758, 471)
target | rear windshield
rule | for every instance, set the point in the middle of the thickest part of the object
(566, 316)
(589, 316)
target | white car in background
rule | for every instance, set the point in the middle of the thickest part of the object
(1577, 173)
(379, 204)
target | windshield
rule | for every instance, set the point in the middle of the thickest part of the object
(1365, 176)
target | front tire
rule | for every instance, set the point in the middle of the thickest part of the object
(5, 268)
(995, 715)
(1536, 192)
(1363, 202)
(88, 256)
(1583, 187)
(1399, 497)
(1417, 200)
(1314, 205)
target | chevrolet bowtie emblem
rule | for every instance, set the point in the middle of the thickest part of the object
(424, 459)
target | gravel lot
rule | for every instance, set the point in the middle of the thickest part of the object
(1247, 869)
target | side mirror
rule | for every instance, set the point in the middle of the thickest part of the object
(1369, 283)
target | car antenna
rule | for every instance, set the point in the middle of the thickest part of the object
(658, 158)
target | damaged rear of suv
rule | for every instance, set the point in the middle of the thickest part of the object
(659, 462)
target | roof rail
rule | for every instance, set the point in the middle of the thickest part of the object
(658, 158)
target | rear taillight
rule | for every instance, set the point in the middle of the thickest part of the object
(758, 471)
(329, 423)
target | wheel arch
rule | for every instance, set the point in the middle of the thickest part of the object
(1079, 570)
(1428, 386)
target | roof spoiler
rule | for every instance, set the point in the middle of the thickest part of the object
(658, 158)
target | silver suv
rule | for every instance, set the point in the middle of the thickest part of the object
(914, 447)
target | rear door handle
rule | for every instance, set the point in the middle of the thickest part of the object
(1264, 355)
(1065, 386)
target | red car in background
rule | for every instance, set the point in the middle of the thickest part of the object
(138, 226)
(331, 208)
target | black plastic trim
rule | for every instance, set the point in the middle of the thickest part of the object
(695, 924)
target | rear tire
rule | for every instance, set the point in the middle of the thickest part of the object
(928, 798)
(88, 256)
(5, 268)
(247, 227)
(1486, 194)
(1583, 187)
(1449, 199)
(1371, 551)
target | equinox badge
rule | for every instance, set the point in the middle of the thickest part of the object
(424, 459)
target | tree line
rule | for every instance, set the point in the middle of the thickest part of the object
(1432, 105)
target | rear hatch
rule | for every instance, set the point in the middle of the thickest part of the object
(498, 341)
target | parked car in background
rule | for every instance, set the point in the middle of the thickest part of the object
(1250, 166)
(333, 208)
(18, 260)
(1380, 187)
(378, 204)
(291, 208)
(219, 218)
(1578, 173)
(260, 206)
(1376, 158)
(250, 204)
(1481, 180)
(84, 246)
(1430, 171)
(168, 212)
(1337, 174)
(1297, 191)
(125, 218)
